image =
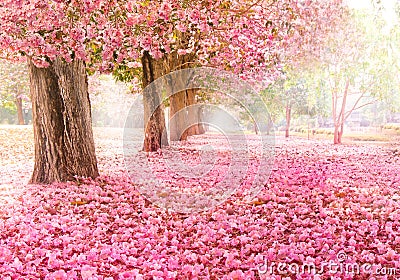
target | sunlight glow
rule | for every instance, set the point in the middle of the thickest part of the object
(389, 8)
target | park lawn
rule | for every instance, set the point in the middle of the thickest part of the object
(350, 137)
(323, 203)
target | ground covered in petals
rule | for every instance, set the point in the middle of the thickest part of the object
(323, 204)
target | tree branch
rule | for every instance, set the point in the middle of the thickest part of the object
(348, 113)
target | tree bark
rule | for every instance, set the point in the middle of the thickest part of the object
(193, 115)
(341, 133)
(336, 135)
(200, 126)
(269, 126)
(178, 121)
(339, 119)
(179, 128)
(288, 118)
(255, 126)
(20, 113)
(154, 120)
(62, 125)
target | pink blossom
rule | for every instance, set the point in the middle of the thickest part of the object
(57, 275)
(87, 272)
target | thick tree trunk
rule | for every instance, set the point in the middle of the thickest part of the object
(178, 121)
(64, 145)
(193, 115)
(288, 118)
(20, 113)
(154, 120)
(186, 124)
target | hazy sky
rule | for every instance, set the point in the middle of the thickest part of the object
(389, 5)
(367, 3)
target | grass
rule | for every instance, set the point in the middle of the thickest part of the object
(349, 136)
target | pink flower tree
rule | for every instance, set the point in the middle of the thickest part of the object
(53, 37)
(61, 40)
(250, 38)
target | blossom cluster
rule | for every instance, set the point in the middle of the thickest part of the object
(245, 36)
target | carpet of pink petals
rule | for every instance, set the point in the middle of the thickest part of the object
(321, 201)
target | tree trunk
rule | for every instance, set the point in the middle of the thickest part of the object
(154, 120)
(255, 127)
(178, 124)
(269, 126)
(340, 133)
(62, 125)
(193, 115)
(20, 113)
(288, 118)
(336, 138)
(177, 121)
(186, 124)
(339, 118)
(201, 126)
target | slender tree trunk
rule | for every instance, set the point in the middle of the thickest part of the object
(339, 118)
(201, 126)
(64, 145)
(20, 113)
(340, 133)
(269, 126)
(255, 127)
(334, 118)
(154, 119)
(288, 118)
(336, 134)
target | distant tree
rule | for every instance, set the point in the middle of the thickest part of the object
(355, 65)
(288, 96)
(249, 38)
(14, 86)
